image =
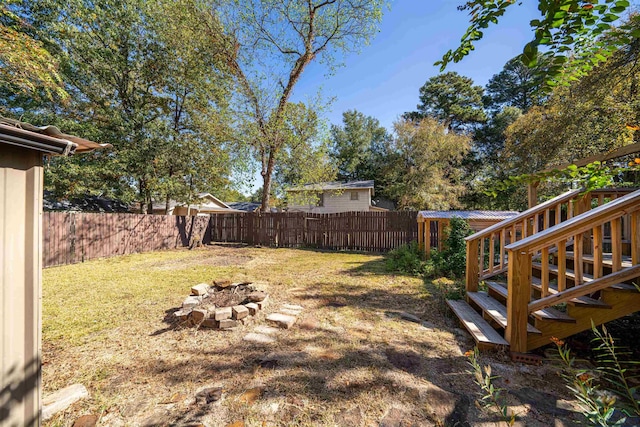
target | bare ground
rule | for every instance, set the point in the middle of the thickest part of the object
(351, 359)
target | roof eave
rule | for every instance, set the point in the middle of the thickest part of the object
(34, 141)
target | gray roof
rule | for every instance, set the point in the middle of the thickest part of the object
(334, 185)
(244, 206)
(497, 215)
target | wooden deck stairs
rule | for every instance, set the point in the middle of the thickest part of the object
(553, 271)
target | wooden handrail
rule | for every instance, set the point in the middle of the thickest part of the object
(534, 210)
(582, 290)
(578, 224)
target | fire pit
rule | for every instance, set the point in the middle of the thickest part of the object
(223, 305)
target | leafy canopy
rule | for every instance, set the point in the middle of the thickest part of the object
(567, 29)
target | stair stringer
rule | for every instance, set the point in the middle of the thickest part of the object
(622, 304)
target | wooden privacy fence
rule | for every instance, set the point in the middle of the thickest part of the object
(76, 237)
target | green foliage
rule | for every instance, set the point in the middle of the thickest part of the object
(359, 147)
(515, 86)
(451, 261)
(491, 396)
(269, 45)
(602, 391)
(407, 259)
(425, 172)
(445, 288)
(451, 99)
(568, 29)
(591, 177)
(26, 66)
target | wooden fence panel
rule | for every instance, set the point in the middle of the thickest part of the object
(76, 237)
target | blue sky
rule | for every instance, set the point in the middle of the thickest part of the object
(383, 79)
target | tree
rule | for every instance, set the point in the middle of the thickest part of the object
(269, 44)
(570, 31)
(453, 100)
(26, 66)
(304, 157)
(427, 168)
(515, 86)
(136, 82)
(596, 114)
(485, 164)
(359, 146)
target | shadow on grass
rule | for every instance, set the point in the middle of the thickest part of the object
(331, 365)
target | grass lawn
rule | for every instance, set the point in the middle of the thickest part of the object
(350, 360)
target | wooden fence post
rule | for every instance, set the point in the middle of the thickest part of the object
(472, 271)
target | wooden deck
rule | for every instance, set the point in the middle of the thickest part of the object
(559, 279)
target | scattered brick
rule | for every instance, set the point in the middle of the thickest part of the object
(222, 313)
(239, 312)
(200, 289)
(253, 308)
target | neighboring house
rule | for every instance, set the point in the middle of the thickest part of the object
(207, 204)
(333, 197)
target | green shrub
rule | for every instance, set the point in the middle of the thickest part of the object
(407, 259)
(451, 261)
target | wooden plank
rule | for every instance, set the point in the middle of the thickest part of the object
(581, 300)
(616, 244)
(587, 289)
(578, 246)
(580, 224)
(553, 315)
(544, 272)
(491, 252)
(597, 252)
(497, 287)
(495, 310)
(479, 328)
(562, 264)
(635, 237)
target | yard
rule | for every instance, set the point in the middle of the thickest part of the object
(351, 359)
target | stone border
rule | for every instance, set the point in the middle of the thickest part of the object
(192, 314)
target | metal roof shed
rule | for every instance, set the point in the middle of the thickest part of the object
(22, 147)
(431, 224)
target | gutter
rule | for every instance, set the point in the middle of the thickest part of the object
(34, 141)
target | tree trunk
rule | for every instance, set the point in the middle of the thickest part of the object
(266, 182)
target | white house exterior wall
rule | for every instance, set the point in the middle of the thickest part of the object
(335, 201)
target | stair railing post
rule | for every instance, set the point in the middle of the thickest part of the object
(518, 296)
(472, 271)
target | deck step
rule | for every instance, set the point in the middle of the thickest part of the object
(583, 301)
(479, 328)
(570, 274)
(497, 287)
(553, 314)
(495, 310)
(624, 287)
(607, 259)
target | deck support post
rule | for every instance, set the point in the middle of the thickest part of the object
(472, 271)
(518, 296)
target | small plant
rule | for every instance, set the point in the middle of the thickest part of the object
(448, 288)
(605, 389)
(491, 395)
(407, 259)
(451, 261)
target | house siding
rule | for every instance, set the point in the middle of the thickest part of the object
(338, 201)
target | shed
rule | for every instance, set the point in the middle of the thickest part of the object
(431, 224)
(22, 147)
